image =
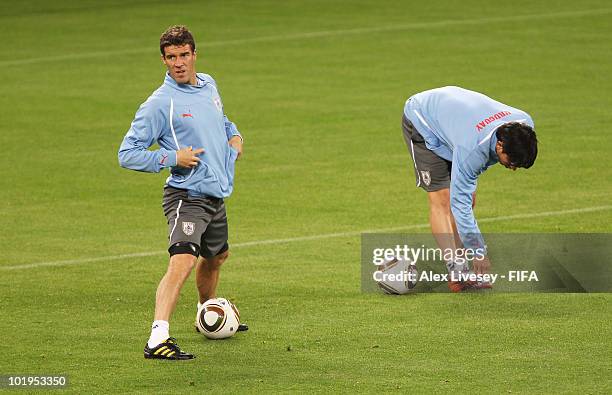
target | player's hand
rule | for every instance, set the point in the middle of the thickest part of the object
(236, 143)
(188, 157)
(481, 265)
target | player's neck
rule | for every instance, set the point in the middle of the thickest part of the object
(193, 80)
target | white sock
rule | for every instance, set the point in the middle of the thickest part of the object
(159, 332)
(199, 305)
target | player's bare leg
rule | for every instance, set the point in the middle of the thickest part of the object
(207, 275)
(207, 279)
(160, 344)
(444, 229)
(442, 221)
(169, 287)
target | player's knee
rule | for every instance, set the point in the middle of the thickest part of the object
(218, 260)
(181, 263)
(223, 256)
(439, 200)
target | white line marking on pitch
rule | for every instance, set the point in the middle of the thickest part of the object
(319, 34)
(301, 238)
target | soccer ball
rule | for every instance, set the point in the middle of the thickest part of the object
(397, 276)
(218, 319)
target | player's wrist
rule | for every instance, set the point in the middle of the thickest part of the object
(172, 158)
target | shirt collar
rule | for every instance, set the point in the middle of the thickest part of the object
(187, 88)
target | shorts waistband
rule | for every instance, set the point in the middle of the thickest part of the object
(213, 199)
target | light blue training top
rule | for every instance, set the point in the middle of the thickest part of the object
(459, 125)
(177, 116)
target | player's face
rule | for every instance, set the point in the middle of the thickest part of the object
(504, 159)
(180, 61)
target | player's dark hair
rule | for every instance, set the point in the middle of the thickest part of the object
(519, 142)
(176, 35)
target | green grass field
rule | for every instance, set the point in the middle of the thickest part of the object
(317, 89)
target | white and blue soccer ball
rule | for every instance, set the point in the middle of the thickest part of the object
(218, 319)
(397, 276)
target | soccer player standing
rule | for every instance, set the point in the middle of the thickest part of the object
(199, 145)
(453, 135)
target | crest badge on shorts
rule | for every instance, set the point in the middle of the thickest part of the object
(426, 177)
(188, 228)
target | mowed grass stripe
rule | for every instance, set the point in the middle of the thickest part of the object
(300, 238)
(321, 34)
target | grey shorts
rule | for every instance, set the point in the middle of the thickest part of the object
(201, 221)
(432, 172)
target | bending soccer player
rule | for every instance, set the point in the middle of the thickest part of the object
(453, 135)
(199, 145)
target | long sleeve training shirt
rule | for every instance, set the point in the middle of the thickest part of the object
(459, 125)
